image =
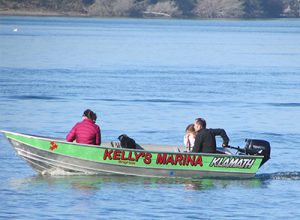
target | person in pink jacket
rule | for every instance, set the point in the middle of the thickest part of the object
(86, 131)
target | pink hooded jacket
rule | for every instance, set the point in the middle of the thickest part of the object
(85, 132)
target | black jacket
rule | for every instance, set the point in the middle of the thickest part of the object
(206, 140)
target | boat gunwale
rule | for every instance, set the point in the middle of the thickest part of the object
(123, 149)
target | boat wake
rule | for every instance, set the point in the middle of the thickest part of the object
(294, 175)
(61, 172)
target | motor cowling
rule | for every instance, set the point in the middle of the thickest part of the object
(258, 147)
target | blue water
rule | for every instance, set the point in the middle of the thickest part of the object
(149, 79)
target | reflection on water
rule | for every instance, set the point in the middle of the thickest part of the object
(96, 182)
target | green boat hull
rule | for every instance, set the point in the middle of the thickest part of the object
(50, 156)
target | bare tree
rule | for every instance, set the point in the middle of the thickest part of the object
(122, 7)
(100, 8)
(164, 8)
(219, 8)
(107, 8)
(291, 8)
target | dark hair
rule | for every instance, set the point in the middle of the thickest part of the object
(90, 115)
(201, 122)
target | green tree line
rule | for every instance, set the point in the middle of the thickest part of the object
(157, 8)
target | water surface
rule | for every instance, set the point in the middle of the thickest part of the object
(149, 79)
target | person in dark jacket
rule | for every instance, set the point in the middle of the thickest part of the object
(205, 141)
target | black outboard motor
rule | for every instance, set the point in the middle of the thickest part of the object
(258, 147)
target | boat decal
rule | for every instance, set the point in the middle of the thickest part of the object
(131, 157)
(125, 157)
(53, 145)
(181, 159)
(226, 162)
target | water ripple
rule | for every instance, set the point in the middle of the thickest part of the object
(294, 175)
(33, 97)
(146, 100)
(291, 104)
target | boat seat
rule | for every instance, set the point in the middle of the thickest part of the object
(223, 151)
(117, 144)
(139, 147)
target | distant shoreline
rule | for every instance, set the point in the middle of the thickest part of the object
(177, 9)
(42, 13)
(39, 13)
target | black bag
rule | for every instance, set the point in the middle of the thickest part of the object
(127, 142)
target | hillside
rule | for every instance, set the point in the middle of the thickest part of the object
(154, 8)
